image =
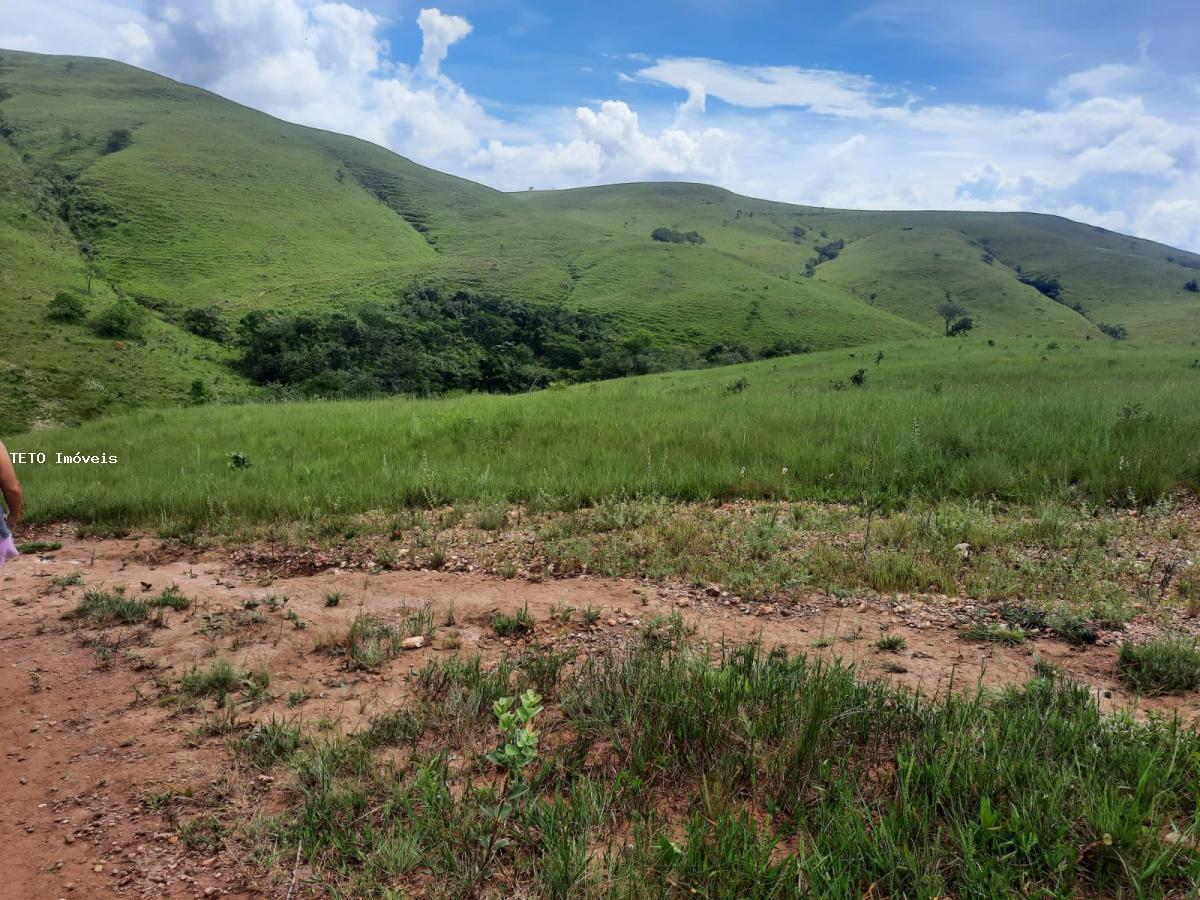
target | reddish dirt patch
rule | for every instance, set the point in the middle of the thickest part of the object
(85, 743)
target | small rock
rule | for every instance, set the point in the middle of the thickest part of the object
(413, 643)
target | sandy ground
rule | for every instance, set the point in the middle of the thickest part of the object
(86, 746)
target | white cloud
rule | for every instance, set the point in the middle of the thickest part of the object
(439, 32)
(822, 91)
(1108, 78)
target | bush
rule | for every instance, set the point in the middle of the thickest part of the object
(206, 322)
(66, 307)
(826, 252)
(118, 139)
(1116, 332)
(671, 236)
(962, 326)
(1193, 286)
(123, 319)
(1168, 665)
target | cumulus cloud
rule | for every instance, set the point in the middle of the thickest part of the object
(1100, 148)
(439, 31)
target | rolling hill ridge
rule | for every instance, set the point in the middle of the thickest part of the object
(118, 182)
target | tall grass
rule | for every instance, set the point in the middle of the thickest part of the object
(936, 419)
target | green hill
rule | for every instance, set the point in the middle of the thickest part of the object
(177, 198)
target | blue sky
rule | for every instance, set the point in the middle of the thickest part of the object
(1090, 110)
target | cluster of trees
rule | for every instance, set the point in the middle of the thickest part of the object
(122, 319)
(206, 322)
(1049, 287)
(430, 342)
(425, 343)
(671, 236)
(830, 251)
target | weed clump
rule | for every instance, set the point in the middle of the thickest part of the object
(103, 608)
(513, 626)
(1168, 665)
(891, 643)
(372, 641)
(270, 743)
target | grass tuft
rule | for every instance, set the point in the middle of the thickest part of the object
(1169, 665)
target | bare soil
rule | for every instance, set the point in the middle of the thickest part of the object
(87, 747)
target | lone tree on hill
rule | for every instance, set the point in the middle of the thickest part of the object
(954, 316)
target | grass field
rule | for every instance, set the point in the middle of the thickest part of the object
(933, 419)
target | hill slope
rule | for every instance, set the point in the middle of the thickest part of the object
(179, 198)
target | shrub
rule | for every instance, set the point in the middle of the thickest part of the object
(206, 322)
(66, 307)
(118, 139)
(961, 326)
(123, 319)
(827, 252)
(1116, 332)
(1168, 665)
(1193, 286)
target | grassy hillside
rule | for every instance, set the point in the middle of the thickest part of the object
(933, 418)
(178, 198)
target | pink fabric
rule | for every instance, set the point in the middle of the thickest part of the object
(8, 551)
